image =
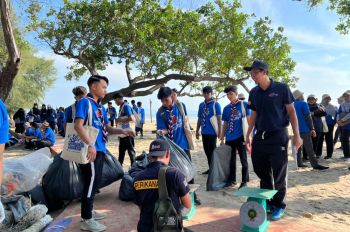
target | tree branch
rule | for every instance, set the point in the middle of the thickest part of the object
(127, 69)
(9, 72)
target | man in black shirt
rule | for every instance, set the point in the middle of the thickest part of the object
(272, 109)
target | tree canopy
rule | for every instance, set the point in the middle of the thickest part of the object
(341, 7)
(34, 77)
(160, 43)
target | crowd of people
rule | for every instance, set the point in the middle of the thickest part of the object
(258, 125)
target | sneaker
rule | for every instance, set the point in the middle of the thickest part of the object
(206, 172)
(327, 157)
(305, 160)
(243, 184)
(277, 214)
(320, 167)
(98, 216)
(346, 159)
(92, 226)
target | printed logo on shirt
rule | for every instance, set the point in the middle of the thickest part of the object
(146, 184)
(273, 95)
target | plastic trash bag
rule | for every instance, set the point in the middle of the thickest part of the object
(63, 180)
(34, 215)
(180, 160)
(23, 174)
(112, 170)
(126, 190)
(140, 164)
(219, 170)
(37, 195)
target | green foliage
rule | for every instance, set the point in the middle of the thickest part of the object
(35, 76)
(217, 40)
(342, 8)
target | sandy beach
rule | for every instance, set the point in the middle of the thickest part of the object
(319, 198)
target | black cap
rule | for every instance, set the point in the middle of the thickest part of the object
(258, 64)
(158, 148)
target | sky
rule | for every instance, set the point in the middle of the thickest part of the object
(321, 53)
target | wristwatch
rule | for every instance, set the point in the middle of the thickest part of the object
(91, 145)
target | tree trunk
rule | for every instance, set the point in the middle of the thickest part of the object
(9, 72)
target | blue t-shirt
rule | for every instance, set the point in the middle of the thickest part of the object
(134, 108)
(82, 111)
(38, 134)
(29, 131)
(179, 136)
(4, 123)
(49, 135)
(60, 118)
(205, 112)
(232, 114)
(270, 106)
(302, 110)
(112, 113)
(141, 112)
(68, 114)
(125, 110)
(52, 116)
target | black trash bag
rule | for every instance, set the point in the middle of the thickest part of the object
(219, 170)
(179, 159)
(126, 190)
(63, 180)
(37, 195)
(140, 164)
(112, 170)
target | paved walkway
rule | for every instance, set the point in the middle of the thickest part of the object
(214, 215)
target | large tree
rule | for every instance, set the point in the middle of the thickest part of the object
(9, 67)
(34, 77)
(341, 7)
(158, 43)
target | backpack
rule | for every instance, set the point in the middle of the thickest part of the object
(165, 216)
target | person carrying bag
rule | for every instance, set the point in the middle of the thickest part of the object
(74, 148)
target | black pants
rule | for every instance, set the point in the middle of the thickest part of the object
(42, 144)
(270, 161)
(19, 128)
(53, 125)
(337, 134)
(139, 129)
(328, 137)
(91, 174)
(316, 142)
(126, 144)
(238, 145)
(112, 122)
(345, 134)
(307, 150)
(209, 144)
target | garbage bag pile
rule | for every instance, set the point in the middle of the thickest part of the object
(20, 216)
(23, 174)
(63, 180)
